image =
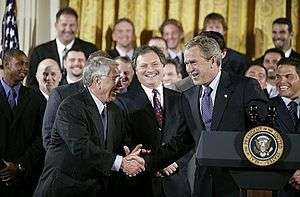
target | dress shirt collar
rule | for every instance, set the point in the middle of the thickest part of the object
(288, 53)
(99, 103)
(214, 86)
(71, 81)
(288, 100)
(173, 54)
(150, 94)
(45, 95)
(61, 46)
(7, 88)
(124, 53)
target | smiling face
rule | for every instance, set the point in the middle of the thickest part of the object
(281, 36)
(201, 70)
(173, 36)
(66, 27)
(149, 69)
(15, 69)
(258, 73)
(215, 25)
(170, 74)
(287, 77)
(74, 63)
(126, 73)
(123, 34)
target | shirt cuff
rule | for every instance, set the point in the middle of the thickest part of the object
(117, 163)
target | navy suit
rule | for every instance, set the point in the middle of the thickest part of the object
(234, 95)
(20, 138)
(144, 129)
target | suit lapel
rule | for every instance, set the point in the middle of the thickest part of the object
(285, 116)
(23, 100)
(95, 115)
(223, 94)
(54, 49)
(4, 105)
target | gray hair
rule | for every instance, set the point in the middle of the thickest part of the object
(208, 46)
(96, 66)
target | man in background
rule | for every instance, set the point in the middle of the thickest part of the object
(171, 74)
(160, 43)
(126, 73)
(124, 37)
(74, 62)
(21, 116)
(233, 61)
(48, 76)
(66, 26)
(172, 31)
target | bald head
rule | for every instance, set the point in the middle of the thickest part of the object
(48, 75)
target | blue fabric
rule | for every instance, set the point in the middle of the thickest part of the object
(207, 108)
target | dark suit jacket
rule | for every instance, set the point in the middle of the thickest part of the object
(20, 138)
(183, 84)
(113, 53)
(283, 118)
(56, 97)
(234, 95)
(235, 62)
(78, 163)
(144, 129)
(49, 50)
(294, 55)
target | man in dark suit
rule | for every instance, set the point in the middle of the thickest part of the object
(155, 115)
(21, 114)
(287, 104)
(124, 38)
(87, 138)
(282, 35)
(172, 31)
(66, 26)
(233, 61)
(218, 103)
(56, 97)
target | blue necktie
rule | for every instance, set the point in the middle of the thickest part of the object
(207, 108)
(12, 98)
(293, 108)
(157, 108)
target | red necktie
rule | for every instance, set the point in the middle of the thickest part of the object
(157, 108)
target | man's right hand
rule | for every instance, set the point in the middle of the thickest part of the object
(132, 163)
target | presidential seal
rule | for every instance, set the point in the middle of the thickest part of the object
(263, 146)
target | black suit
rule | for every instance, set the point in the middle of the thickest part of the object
(113, 53)
(49, 50)
(294, 56)
(20, 138)
(78, 161)
(56, 97)
(235, 62)
(234, 95)
(144, 129)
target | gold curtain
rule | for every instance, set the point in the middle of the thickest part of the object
(249, 21)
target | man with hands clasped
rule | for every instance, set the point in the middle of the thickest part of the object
(84, 157)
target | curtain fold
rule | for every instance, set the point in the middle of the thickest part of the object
(249, 21)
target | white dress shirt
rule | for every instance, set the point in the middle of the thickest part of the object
(124, 53)
(150, 94)
(118, 161)
(288, 100)
(60, 49)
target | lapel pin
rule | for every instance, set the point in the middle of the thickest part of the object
(225, 95)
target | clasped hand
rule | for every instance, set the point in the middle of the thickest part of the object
(9, 173)
(295, 180)
(133, 163)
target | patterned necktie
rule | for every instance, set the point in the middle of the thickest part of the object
(207, 108)
(12, 95)
(293, 108)
(157, 108)
(63, 69)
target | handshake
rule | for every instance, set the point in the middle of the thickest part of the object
(133, 163)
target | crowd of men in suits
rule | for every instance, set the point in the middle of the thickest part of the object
(77, 121)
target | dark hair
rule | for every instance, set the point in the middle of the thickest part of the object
(214, 17)
(127, 20)
(175, 63)
(66, 11)
(124, 59)
(158, 38)
(284, 21)
(290, 62)
(275, 50)
(147, 49)
(217, 36)
(11, 53)
(77, 49)
(259, 65)
(171, 21)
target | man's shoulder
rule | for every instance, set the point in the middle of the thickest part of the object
(184, 84)
(45, 45)
(84, 44)
(68, 89)
(295, 55)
